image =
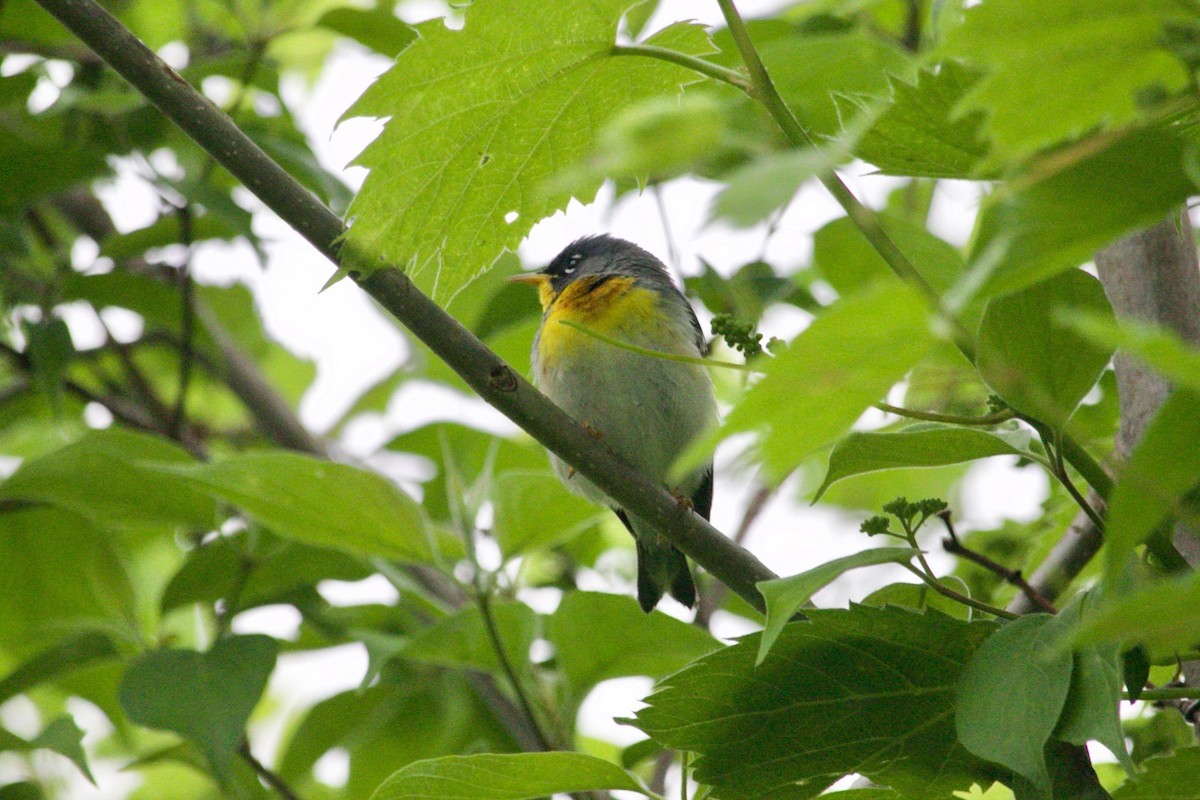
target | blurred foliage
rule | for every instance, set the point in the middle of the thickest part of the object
(156, 483)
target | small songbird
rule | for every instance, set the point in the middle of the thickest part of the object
(647, 409)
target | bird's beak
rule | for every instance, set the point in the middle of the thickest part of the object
(532, 278)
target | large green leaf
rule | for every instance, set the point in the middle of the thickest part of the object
(921, 134)
(849, 262)
(1163, 468)
(1173, 777)
(601, 636)
(515, 776)
(1015, 681)
(786, 596)
(847, 359)
(1058, 70)
(462, 639)
(106, 478)
(1160, 347)
(1164, 616)
(532, 510)
(1038, 365)
(481, 118)
(794, 724)
(317, 502)
(205, 697)
(61, 575)
(1063, 207)
(920, 445)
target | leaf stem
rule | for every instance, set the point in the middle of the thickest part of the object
(950, 419)
(706, 68)
(646, 351)
(951, 544)
(945, 591)
(268, 777)
(1167, 693)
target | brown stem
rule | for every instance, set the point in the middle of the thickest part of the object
(268, 777)
(951, 544)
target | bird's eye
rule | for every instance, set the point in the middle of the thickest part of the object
(572, 263)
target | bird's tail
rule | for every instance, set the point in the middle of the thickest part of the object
(661, 567)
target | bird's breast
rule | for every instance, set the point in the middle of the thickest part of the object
(612, 305)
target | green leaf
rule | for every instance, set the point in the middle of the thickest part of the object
(601, 636)
(64, 576)
(921, 134)
(204, 697)
(1038, 365)
(1062, 208)
(786, 596)
(849, 262)
(164, 231)
(920, 445)
(62, 736)
(756, 190)
(105, 478)
(1163, 467)
(71, 654)
(1174, 777)
(1163, 616)
(1056, 71)
(1160, 347)
(813, 72)
(1092, 711)
(50, 351)
(533, 510)
(919, 597)
(1015, 681)
(481, 118)
(517, 776)
(317, 502)
(375, 28)
(462, 640)
(743, 721)
(847, 359)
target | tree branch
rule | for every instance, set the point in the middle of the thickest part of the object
(486, 373)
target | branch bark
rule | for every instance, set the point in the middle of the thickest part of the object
(486, 373)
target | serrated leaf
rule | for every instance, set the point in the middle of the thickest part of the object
(481, 118)
(1064, 206)
(317, 502)
(1163, 468)
(921, 445)
(1173, 777)
(204, 697)
(786, 596)
(920, 133)
(1055, 71)
(1039, 366)
(602, 636)
(1015, 681)
(811, 393)
(518, 776)
(745, 722)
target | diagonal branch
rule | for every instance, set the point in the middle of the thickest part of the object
(483, 370)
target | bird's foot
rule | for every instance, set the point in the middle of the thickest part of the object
(592, 432)
(683, 499)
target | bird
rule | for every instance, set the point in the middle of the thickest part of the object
(647, 409)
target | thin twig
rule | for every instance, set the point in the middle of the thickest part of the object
(711, 600)
(268, 777)
(951, 544)
(945, 591)
(187, 320)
